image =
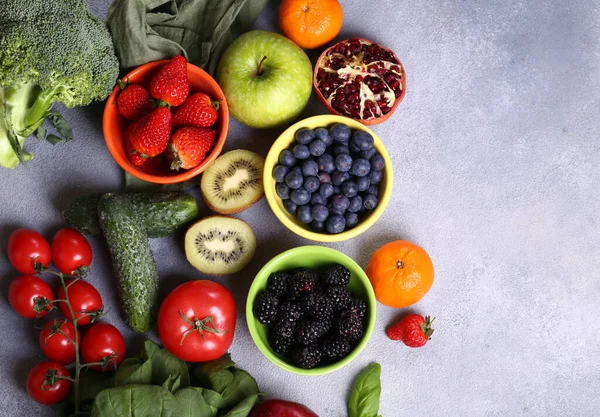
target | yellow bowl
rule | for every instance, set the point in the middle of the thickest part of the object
(284, 141)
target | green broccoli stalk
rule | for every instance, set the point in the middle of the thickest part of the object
(50, 51)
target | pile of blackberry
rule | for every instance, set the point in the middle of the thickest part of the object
(313, 319)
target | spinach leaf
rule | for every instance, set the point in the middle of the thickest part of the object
(164, 364)
(136, 401)
(243, 408)
(216, 381)
(217, 365)
(173, 382)
(134, 371)
(241, 386)
(364, 400)
(198, 402)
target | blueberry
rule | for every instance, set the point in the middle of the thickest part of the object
(324, 135)
(320, 213)
(339, 203)
(363, 183)
(326, 163)
(312, 184)
(349, 189)
(279, 173)
(318, 226)
(373, 190)
(283, 191)
(338, 177)
(326, 190)
(376, 177)
(370, 201)
(287, 158)
(377, 162)
(304, 214)
(340, 132)
(360, 167)
(356, 203)
(294, 179)
(324, 177)
(317, 198)
(354, 150)
(337, 190)
(305, 136)
(340, 149)
(317, 147)
(301, 151)
(310, 168)
(300, 196)
(343, 162)
(368, 153)
(296, 168)
(290, 206)
(362, 140)
(351, 220)
(335, 224)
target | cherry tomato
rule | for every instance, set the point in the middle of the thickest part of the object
(196, 321)
(84, 298)
(56, 341)
(25, 247)
(103, 342)
(71, 252)
(43, 386)
(30, 296)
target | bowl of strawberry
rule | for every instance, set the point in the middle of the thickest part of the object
(166, 121)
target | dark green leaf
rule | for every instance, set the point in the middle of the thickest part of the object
(53, 139)
(62, 126)
(41, 133)
(173, 382)
(91, 383)
(136, 401)
(243, 385)
(164, 364)
(243, 408)
(198, 402)
(213, 374)
(217, 365)
(134, 371)
(135, 184)
(364, 400)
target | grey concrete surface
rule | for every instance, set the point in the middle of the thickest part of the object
(496, 156)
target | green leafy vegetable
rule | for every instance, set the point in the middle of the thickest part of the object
(173, 382)
(364, 400)
(134, 371)
(244, 407)
(136, 401)
(199, 402)
(164, 364)
(242, 386)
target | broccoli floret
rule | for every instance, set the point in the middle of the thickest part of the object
(50, 51)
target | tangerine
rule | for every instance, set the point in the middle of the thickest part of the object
(401, 273)
(310, 23)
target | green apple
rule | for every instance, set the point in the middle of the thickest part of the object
(266, 79)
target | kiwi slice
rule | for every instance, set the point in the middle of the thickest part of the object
(233, 182)
(219, 245)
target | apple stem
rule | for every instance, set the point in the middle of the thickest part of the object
(259, 71)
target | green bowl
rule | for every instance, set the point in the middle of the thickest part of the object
(310, 257)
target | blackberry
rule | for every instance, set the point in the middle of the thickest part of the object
(317, 305)
(337, 275)
(291, 309)
(278, 282)
(302, 282)
(309, 331)
(265, 307)
(285, 328)
(306, 357)
(359, 307)
(339, 297)
(285, 323)
(279, 344)
(335, 348)
(349, 326)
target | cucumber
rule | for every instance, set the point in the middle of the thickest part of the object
(132, 259)
(161, 213)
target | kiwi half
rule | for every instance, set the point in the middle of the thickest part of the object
(219, 245)
(233, 182)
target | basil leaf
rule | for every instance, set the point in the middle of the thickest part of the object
(173, 382)
(364, 400)
(244, 407)
(198, 402)
(136, 401)
(164, 364)
(134, 371)
(243, 385)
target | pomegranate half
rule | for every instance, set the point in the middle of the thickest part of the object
(360, 79)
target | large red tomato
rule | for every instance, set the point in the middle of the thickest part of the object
(71, 252)
(196, 321)
(44, 386)
(25, 247)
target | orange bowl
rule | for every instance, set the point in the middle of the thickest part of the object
(157, 171)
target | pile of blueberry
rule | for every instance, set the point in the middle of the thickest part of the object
(313, 319)
(330, 177)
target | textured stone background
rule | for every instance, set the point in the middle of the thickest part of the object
(495, 152)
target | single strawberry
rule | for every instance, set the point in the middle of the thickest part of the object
(413, 330)
(134, 101)
(134, 157)
(151, 134)
(170, 83)
(198, 110)
(189, 146)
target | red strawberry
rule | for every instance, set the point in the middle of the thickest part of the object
(198, 110)
(413, 330)
(170, 83)
(150, 136)
(133, 101)
(190, 145)
(133, 156)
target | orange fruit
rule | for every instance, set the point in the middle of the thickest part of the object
(310, 23)
(401, 273)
